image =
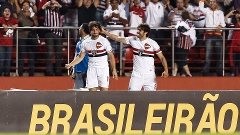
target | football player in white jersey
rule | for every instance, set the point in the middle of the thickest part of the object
(144, 48)
(97, 48)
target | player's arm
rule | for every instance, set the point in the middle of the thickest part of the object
(113, 65)
(114, 37)
(76, 61)
(164, 63)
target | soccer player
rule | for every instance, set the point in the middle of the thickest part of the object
(144, 48)
(97, 48)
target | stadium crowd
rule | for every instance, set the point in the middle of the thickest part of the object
(115, 13)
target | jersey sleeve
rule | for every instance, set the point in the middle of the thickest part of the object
(108, 46)
(128, 40)
(156, 47)
(82, 47)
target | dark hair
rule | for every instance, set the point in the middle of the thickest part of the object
(85, 28)
(94, 24)
(8, 8)
(145, 27)
(26, 1)
(185, 15)
(111, 1)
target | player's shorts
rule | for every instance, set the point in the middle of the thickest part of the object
(138, 80)
(97, 77)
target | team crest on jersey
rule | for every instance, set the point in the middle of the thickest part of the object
(147, 46)
(94, 52)
(140, 52)
(98, 45)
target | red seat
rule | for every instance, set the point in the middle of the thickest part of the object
(129, 55)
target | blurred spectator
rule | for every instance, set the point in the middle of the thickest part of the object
(167, 9)
(143, 5)
(116, 17)
(10, 4)
(186, 39)
(87, 11)
(27, 18)
(40, 18)
(213, 38)
(1, 3)
(6, 40)
(52, 12)
(199, 22)
(136, 16)
(234, 48)
(174, 17)
(126, 6)
(236, 3)
(103, 5)
(155, 18)
(80, 70)
(19, 6)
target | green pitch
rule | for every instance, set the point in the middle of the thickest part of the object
(236, 133)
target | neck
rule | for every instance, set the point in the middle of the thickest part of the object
(87, 6)
(83, 35)
(6, 18)
(95, 37)
(213, 9)
(143, 38)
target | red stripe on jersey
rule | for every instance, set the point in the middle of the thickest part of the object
(147, 52)
(158, 51)
(98, 51)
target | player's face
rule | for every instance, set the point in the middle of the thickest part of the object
(95, 32)
(141, 33)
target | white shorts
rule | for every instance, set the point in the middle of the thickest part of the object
(147, 81)
(97, 77)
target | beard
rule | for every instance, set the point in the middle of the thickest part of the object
(95, 35)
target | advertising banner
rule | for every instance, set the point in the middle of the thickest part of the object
(116, 112)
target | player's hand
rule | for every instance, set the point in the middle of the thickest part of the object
(102, 31)
(114, 74)
(67, 66)
(165, 74)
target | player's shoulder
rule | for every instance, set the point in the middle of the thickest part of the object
(152, 42)
(132, 38)
(102, 39)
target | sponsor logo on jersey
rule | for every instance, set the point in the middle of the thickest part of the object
(140, 52)
(147, 46)
(94, 52)
(98, 45)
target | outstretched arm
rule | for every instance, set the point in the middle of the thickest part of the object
(75, 61)
(114, 37)
(164, 62)
(113, 65)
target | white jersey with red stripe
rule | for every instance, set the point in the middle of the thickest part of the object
(97, 51)
(143, 59)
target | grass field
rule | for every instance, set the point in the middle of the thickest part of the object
(237, 133)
